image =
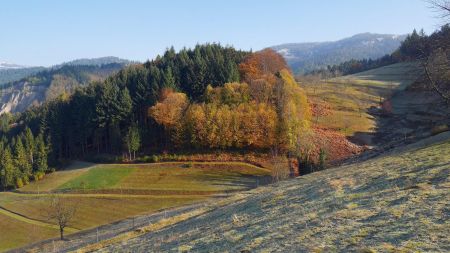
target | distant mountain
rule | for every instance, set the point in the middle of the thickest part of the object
(7, 65)
(305, 57)
(10, 72)
(36, 88)
(96, 61)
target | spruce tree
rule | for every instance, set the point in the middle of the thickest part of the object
(40, 161)
(28, 141)
(20, 160)
(7, 173)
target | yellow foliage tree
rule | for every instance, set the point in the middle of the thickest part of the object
(293, 111)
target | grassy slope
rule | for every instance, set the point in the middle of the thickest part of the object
(345, 100)
(15, 232)
(107, 193)
(398, 202)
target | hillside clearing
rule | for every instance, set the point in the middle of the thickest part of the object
(342, 104)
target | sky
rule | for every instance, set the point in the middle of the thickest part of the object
(49, 32)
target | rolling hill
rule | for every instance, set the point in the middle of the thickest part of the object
(8, 74)
(391, 200)
(305, 57)
(397, 202)
(39, 84)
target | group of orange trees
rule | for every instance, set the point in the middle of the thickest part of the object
(266, 110)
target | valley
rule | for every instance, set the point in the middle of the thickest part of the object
(211, 140)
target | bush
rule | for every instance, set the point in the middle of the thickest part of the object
(38, 175)
(154, 158)
(19, 183)
(25, 180)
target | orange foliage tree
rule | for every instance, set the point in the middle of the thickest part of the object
(263, 64)
(169, 113)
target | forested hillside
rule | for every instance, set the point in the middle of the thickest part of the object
(50, 83)
(8, 75)
(209, 97)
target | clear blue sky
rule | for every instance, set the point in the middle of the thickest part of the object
(47, 32)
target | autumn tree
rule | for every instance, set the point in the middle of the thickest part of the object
(169, 112)
(262, 65)
(293, 112)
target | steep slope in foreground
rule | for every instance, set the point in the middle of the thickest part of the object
(396, 202)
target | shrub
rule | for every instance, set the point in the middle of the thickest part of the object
(145, 159)
(39, 175)
(19, 183)
(25, 180)
(154, 158)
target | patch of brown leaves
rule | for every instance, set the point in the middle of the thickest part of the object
(337, 147)
(320, 108)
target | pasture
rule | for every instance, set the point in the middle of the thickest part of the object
(342, 103)
(107, 193)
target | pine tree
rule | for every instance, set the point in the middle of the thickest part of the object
(168, 79)
(20, 160)
(7, 172)
(40, 161)
(28, 141)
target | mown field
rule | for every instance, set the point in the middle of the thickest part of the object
(342, 103)
(106, 193)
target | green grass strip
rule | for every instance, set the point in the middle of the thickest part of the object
(100, 177)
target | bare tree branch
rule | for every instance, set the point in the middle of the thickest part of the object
(442, 7)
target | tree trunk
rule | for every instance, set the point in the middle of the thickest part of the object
(61, 232)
